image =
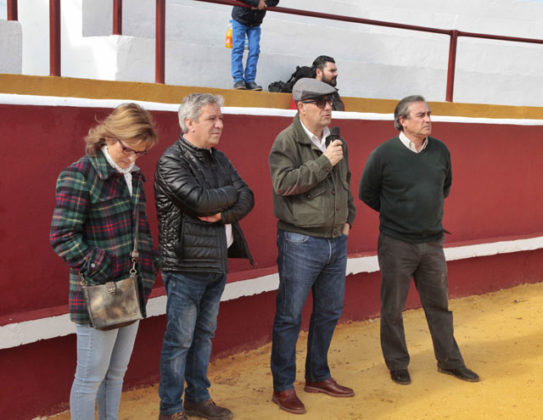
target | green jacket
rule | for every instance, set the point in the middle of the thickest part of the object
(310, 196)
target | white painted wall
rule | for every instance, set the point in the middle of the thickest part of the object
(10, 47)
(373, 62)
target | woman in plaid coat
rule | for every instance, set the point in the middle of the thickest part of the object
(92, 230)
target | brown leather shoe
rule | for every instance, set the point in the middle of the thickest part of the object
(207, 409)
(175, 416)
(288, 401)
(330, 387)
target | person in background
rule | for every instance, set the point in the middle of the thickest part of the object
(325, 70)
(246, 23)
(92, 230)
(200, 199)
(406, 179)
(315, 211)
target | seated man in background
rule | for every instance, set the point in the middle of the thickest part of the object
(325, 70)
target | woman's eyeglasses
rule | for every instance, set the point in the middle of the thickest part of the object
(320, 101)
(129, 151)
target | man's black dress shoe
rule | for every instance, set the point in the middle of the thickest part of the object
(461, 372)
(400, 376)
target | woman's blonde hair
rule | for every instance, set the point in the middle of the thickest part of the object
(128, 122)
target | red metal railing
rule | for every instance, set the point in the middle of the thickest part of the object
(117, 17)
(54, 37)
(54, 33)
(12, 10)
(454, 34)
(160, 40)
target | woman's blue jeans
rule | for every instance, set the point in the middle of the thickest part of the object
(102, 360)
(191, 311)
(239, 31)
(306, 264)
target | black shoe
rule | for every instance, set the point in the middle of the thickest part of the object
(400, 376)
(461, 372)
(240, 85)
(253, 86)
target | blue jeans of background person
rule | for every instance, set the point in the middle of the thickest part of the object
(102, 359)
(239, 31)
(306, 264)
(191, 311)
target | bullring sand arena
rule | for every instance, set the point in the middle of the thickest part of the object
(500, 335)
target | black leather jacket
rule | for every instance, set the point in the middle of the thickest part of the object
(192, 182)
(251, 17)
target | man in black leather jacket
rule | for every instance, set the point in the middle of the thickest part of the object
(200, 199)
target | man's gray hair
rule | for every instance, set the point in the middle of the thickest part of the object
(402, 109)
(191, 107)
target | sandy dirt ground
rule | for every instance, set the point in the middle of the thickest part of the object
(500, 335)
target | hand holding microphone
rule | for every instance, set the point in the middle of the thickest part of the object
(334, 146)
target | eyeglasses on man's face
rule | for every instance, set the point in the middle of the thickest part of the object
(321, 101)
(130, 151)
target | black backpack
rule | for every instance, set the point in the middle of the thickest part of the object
(286, 87)
(279, 86)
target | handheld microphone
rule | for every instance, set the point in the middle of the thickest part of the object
(334, 135)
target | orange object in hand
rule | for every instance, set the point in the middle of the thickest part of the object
(228, 38)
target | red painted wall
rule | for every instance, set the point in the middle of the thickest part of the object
(497, 192)
(497, 188)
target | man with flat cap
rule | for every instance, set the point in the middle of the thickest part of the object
(313, 202)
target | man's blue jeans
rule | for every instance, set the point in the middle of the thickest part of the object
(239, 31)
(191, 311)
(306, 263)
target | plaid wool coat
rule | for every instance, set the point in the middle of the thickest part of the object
(92, 228)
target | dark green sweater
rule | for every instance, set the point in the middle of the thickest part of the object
(408, 189)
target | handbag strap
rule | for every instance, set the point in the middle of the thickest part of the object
(135, 254)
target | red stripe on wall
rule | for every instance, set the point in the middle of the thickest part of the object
(497, 188)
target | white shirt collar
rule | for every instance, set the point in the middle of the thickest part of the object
(112, 162)
(125, 171)
(320, 143)
(410, 145)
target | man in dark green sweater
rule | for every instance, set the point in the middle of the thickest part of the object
(406, 179)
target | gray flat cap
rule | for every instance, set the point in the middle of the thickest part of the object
(307, 88)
